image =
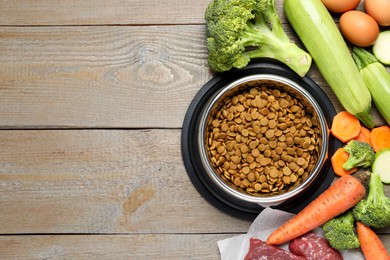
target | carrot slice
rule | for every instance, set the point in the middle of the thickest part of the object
(372, 246)
(342, 195)
(380, 138)
(338, 159)
(364, 135)
(345, 126)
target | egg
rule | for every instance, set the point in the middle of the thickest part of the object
(340, 6)
(379, 10)
(359, 28)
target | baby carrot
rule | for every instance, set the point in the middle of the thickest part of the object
(372, 246)
(343, 194)
(338, 159)
(345, 126)
(380, 138)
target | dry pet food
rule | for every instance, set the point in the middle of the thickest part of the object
(263, 140)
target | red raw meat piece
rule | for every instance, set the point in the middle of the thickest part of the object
(259, 250)
(313, 247)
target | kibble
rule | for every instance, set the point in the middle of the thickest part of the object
(263, 140)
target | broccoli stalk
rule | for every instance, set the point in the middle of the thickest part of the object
(341, 233)
(241, 30)
(374, 210)
(361, 154)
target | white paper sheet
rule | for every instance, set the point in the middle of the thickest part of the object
(236, 248)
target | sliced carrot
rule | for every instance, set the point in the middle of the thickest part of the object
(364, 135)
(338, 159)
(380, 138)
(345, 193)
(345, 126)
(372, 246)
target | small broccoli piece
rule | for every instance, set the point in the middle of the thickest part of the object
(241, 30)
(340, 232)
(361, 154)
(374, 210)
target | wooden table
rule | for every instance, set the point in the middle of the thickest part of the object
(92, 100)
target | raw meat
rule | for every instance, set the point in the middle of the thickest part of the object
(259, 250)
(313, 247)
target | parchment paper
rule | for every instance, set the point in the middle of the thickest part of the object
(236, 248)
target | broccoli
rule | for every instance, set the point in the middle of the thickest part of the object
(374, 210)
(340, 232)
(361, 154)
(240, 30)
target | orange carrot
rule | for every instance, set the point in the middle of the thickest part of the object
(380, 137)
(345, 126)
(372, 246)
(364, 135)
(343, 194)
(338, 159)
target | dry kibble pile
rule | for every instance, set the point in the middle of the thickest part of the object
(263, 141)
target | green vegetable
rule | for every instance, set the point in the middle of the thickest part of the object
(239, 31)
(374, 210)
(341, 233)
(377, 79)
(381, 48)
(320, 35)
(381, 164)
(361, 154)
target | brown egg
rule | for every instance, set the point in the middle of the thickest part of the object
(340, 6)
(379, 10)
(359, 28)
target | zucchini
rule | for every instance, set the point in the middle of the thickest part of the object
(381, 48)
(381, 165)
(377, 79)
(318, 32)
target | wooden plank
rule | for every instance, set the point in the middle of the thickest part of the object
(71, 76)
(163, 246)
(115, 12)
(185, 246)
(100, 12)
(101, 181)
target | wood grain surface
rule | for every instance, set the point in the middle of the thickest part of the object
(182, 246)
(149, 246)
(100, 76)
(92, 100)
(103, 77)
(98, 12)
(101, 181)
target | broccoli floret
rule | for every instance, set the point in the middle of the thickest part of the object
(374, 210)
(361, 154)
(241, 30)
(340, 232)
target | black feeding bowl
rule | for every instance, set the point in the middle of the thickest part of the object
(206, 178)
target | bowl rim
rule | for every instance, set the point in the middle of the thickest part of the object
(214, 176)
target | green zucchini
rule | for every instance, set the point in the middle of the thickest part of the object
(318, 32)
(381, 165)
(381, 48)
(377, 80)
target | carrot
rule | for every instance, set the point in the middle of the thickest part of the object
(371, 245)
(380, 137)
(343, 194)
(345, 126)
(364, 135)
(338, 159)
